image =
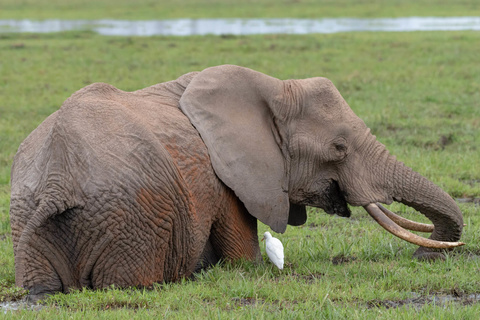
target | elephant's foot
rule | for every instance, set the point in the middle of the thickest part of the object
(428, 254)
(35, 298)
(38, 293)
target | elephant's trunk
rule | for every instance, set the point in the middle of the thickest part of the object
(416, 191)
(426, 197)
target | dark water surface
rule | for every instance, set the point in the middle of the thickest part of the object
(186, 27)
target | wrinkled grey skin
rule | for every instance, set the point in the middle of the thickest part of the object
(142, 187)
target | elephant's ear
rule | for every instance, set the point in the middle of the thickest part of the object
(229, 106)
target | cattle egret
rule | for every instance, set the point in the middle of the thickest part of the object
(274, 249)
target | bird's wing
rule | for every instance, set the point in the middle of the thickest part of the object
(275, 249)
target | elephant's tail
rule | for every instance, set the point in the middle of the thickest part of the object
(46, 209)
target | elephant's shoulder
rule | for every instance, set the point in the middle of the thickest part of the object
(95, 100)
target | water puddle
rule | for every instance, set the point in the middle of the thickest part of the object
(187, 27)
(475, 201)
(11, 306)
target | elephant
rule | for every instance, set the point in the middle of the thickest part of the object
(135, 188)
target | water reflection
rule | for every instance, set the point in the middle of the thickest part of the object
(186, 27)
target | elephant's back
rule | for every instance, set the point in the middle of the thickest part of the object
(103, 136)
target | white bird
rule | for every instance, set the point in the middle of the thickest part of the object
(274, 249)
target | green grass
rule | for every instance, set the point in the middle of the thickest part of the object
(150, 9)
(354, 276)
(418, 92)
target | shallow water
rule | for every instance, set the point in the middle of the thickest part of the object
(7, 307)
(186, 27)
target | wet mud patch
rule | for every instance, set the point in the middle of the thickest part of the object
(308, 278)
(470, 253)
(255, 302)
(322, 226)
(475, 201)
(342, 259)
(244, 302)
(438, 299)
(470, 182)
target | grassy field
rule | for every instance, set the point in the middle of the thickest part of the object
(149, 9)
(419, 93)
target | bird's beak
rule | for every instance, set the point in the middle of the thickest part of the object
(263, 239)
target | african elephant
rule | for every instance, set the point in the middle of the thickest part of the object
(132, 188)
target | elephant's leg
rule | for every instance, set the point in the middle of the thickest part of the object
(154, 237)
(124, 265)
(46, 259)
(208, 258)
(40, 277)
(234, 234)
(131, 253)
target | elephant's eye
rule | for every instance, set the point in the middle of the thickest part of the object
(340, 147)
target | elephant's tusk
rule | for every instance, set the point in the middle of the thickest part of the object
(405, 223)
(398, 231)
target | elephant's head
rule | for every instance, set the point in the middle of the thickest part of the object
(281, 145)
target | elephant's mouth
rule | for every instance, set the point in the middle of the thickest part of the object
(335, 202)
(331, 200)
